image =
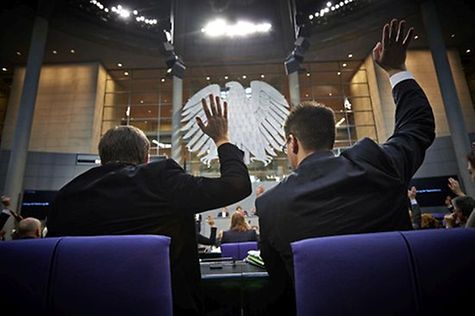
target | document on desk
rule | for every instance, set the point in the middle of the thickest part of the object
(254, 257)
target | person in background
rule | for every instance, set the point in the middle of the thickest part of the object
(463, 207)
(211, 240)
(223, 213)
(241, 210)
(239, 231)
(6, 213)
(415, 208)
(362, 190)
(28, 228)
(429, 222)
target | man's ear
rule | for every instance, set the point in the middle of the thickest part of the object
(294, 144)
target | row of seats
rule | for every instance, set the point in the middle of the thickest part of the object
(425, 272)
(107, 275)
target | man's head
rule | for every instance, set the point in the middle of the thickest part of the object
(310, 127)
(29, 228)
(124, 144)
(471, 163)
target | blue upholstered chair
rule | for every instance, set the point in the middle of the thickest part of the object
(444, 265)
(25, 268)
(106, 275)
(365, 274)
(238, 250)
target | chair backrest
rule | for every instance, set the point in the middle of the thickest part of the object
(444, 265)
(366, 274)
(238, 250)
(424, 272)
(102, 275)
(25, 269)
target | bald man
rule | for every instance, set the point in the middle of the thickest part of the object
(29, 228)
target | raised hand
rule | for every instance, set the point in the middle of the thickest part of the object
(454, 186)
(390, 53)
(217, 116)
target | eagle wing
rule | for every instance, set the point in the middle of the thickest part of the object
(270, 110)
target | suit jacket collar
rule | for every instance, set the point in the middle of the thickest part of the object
(316, 156)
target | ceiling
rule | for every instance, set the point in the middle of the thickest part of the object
(95, 36)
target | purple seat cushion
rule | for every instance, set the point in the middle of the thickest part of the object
(365, 274)
(112, 275)
(444, 263)
(25, 274)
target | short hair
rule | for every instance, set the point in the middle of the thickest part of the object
(28, 226)
(124, 144)
(464, 204)
(313, 124)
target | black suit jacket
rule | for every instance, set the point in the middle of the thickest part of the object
(154, 198)
(362, 190)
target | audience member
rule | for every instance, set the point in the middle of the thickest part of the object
(223, 213)
(128, 195)
(415, 209)
(463, 207)
(5, 215)
(211, 240)
(358, 191)
(239, 231)
(28, 228)
(241, 210)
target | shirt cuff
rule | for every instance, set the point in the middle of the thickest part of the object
(413, 202)
(400, 76)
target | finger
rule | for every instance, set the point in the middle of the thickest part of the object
(200, 123)
(385, 39)
(205, 108)
(225, 113)
(377, 51)
(400, 32)
(393, 30)
(218, 106)
(408, 39)
(212, 105)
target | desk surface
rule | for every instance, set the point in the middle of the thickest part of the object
(230, 270)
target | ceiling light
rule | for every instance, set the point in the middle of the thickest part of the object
(4, 69)
(416, 37)
(344, 65)
(126, 73)
(220, 27)
(262, 76)
(162, 80)
(308, 74)
(310, 16)
(72, 51)
(135, 12)
(329, 4)
(55, 52)
(350, 55)
(330, 94)
(244, 76)
(208, 78)
(18, 53)
(119, 65)
(338, 73)
(141, 101)
(452, 36)
(468, 51)
(226, 77)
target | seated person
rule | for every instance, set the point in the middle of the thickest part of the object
(211, 241)
(241, 210)
(224, 212)
(428, 221)
(463, 207)
(239, 230)
(28, 228)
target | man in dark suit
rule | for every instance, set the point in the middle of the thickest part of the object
(362, 190)
(127, 195)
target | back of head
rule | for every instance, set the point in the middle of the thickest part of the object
(29, 227)
(313, 124)
(238, 222)
(464, 204)
(124, 144)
